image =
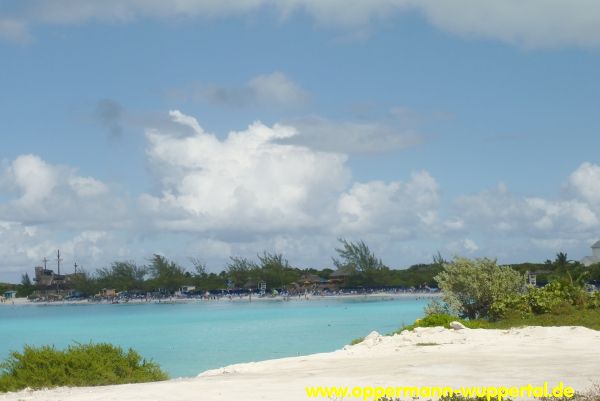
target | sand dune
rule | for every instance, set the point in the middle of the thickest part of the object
(425, 356)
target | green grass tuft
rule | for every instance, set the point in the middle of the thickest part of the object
(434, 320)
(589, 318)
(357, 341)
(78, 365)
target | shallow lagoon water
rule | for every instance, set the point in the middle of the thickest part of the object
(188, 338)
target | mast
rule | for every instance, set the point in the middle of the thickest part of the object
(58, 259)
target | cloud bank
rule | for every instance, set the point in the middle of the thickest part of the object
(532, 23)
(249, 191)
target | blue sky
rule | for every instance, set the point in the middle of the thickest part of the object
(472, 130)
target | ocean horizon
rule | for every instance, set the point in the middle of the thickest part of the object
(188, 338)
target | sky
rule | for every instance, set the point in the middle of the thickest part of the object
(208, 129)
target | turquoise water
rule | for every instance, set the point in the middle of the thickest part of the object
(188, 338)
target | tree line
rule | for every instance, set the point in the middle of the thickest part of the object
(358, 264)
(360, 268)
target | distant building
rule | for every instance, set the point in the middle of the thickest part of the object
(312, 282)
(595, 258)
(10, 294)
(185, 289)
(530, 278)
(107, 293)
(339, 278)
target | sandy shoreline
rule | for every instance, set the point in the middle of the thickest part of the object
(379, 295)
(426, 356)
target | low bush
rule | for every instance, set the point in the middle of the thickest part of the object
(357, 341)
(436, 320)
(594, 300)
(78, 365)
(471, 286)
(557, 298)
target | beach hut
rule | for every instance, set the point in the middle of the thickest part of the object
(313, 282)
(10, 294)
(339, 278)
(309, 279)
(108, 293)
(186, 289)
(250, 285)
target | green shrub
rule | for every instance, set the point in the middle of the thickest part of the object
(594, 300)
(78, 365)
(432, 321)
(546, 299)
(510, 306)
(558, 297)
(470, 287)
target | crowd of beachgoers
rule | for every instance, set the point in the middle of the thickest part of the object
(236, 296)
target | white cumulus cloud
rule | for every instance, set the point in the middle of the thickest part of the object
(39, 192)
(246, 182)
(398, 208)
(499, 211)
(251, 184)
(585, 182)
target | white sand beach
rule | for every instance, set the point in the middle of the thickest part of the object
(423, 357)
(301, 298)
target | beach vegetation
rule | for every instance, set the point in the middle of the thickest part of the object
(360, 263)
(199, 266)
(78, 365)
(239, 270)
(274, 268)
(356, 257)
(568, 316)
(563, 315)
(26, 287)
(471, 286)
(85, 283)
(435, 320)
(480, 294)
(166, 275)
(361, 267)
(357, 341)
(121, 276)
(559, 297)
(437, 307)
(590, 395)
